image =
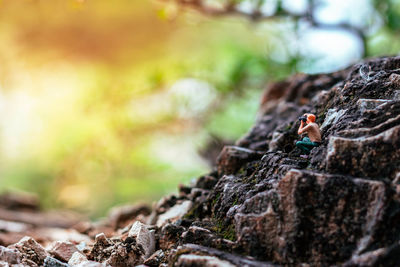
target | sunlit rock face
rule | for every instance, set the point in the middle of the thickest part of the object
(264, 205)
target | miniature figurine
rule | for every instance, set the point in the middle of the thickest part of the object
(312, 129)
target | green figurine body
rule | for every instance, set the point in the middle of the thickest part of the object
(308, 125)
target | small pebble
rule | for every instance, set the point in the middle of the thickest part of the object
(52, 262)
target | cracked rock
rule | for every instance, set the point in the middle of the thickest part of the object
(31, 250)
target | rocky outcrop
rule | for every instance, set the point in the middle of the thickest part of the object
(263, 205)
(289, 223)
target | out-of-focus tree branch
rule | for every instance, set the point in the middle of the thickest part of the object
(232, 8)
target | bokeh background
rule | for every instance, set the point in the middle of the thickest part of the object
(108, 102)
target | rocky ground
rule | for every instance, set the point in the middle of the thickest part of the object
(263, 205)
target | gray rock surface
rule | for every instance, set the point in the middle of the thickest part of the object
(52, 262)
(263, 205)
(189, 260)
(144, 237)
(77, 258)
(174, 213)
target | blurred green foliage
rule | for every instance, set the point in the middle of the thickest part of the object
(114, 100)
